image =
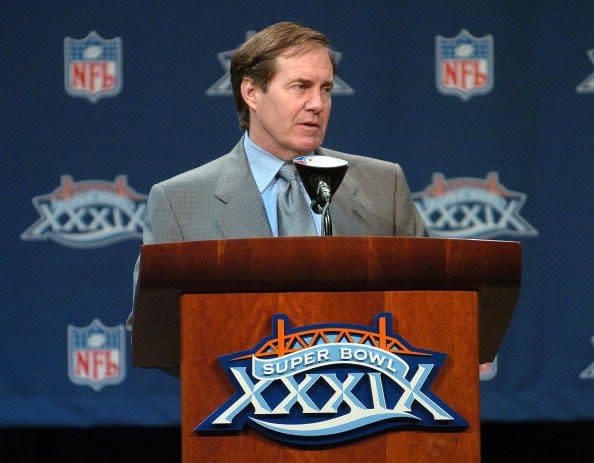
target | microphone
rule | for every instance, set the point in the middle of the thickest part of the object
(324, 193)
(321, 176)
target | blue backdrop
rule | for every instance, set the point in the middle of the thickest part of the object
(487, 105)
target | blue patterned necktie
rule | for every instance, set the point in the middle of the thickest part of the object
(294, 218)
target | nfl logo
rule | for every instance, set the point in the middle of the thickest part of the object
(96, 355)
(92, 67)
(464, 65)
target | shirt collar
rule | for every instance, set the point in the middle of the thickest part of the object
(264, 165)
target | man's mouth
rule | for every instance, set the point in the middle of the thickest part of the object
(311, 124)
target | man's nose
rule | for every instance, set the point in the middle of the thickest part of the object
(315, 102)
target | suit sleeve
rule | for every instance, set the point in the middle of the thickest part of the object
(407, 220)
(161, 226)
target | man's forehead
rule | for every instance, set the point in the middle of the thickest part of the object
(296, 60)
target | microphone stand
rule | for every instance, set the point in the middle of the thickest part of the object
(326, 222)
(324, 196)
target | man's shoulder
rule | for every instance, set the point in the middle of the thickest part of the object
(356, 160)
(203, 172)
(209, 172)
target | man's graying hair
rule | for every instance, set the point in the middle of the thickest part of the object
(255, 58)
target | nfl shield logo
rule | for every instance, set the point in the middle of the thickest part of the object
(96, 354)
(464, 65)
(92, 67)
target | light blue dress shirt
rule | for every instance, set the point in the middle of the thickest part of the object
(264, 167)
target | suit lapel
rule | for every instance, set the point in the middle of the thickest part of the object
(243, 214)
(348, 210)
(349, 205)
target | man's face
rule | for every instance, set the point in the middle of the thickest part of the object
(290, 117)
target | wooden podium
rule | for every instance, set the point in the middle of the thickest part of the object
(197, 301)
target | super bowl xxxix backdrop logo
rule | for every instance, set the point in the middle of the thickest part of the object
(92, 67)
(222, 87)
(331, 383)
(467, 207)
(89, 213)
(96, 354)
(464, 65)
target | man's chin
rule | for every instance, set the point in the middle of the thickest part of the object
(307, 147)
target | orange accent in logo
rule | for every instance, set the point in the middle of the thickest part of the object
(286, 344)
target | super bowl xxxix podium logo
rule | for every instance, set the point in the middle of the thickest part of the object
(332, 383)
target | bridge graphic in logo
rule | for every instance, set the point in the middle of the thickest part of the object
(331, 383)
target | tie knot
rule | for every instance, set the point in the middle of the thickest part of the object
(288, 172)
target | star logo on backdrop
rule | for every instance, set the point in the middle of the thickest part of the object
(222, 87)
(587, 86)
(588, 372)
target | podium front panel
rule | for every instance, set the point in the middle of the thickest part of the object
(214, 325)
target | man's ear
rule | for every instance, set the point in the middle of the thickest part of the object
(249, 92)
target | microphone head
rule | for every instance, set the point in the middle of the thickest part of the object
(315, 169)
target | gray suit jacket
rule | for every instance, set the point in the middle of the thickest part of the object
(221, 200)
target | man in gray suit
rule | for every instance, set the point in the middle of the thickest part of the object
(282, 79)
